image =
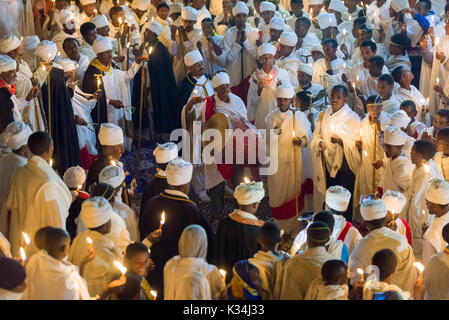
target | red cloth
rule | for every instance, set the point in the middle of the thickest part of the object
(344, 232)
(408, 232)
(11, 87)
(237, 90)
(210, 107)
(288, 209)
(86, 158)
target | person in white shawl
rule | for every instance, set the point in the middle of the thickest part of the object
(306, 40)
(397, 55)
(328, 71)
(38, 197)
(263, 84)
(385, 89)
(212, 48)
(71, 49)
(381, 237)
(67, 21)
(395, 202)
(287, 57)
(12, 279)
(192, 248)
(332, 284)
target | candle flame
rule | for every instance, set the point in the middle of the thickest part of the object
(427, 100)
(151, 50)
(353, 85)
(358, 78)
(426, 167)
(419, 266)
(127, 45)
(23, 254)
(365, 153)
(222, 272)
(438, 80)
(332, 128)
(361, 132)
(120, 267)
(152, 18)
(98, 81)
(246, 180)
(113, 163)
(163, 217)
(350, 18)
(51, 163)
(344, 32)
(43, 68)
(27, 238)
(360, 271)
(79, 186)
(89, 240)
(154, 293)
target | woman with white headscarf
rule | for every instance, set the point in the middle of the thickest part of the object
(192, 247)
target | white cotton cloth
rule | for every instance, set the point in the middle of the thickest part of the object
(46, 50)
(189, 13)
(395, 136)
(101, 44)
(7, 64)
(112, 175)
(179, 172)
(373, 210)
(165, 152)
(9, 43)
(285, 91)
(337, 198)
(240, 7)
(266, 48)
(100, 21)
(394, 201)
(95, 212)
(249, 193)
(110, 134)
(399, 119)
(74, 177)
(438, 192)
(267, 6)
(16, 135)
(319, 291)
(288, 39)
(192, 57)
(141, 5)
(220, 78)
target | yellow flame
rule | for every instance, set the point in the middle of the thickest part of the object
(361, 132)
(332, 128)
(89, 240)
(113, 163)
(360, 271)
(222, 272)
(23, 254)
(438, 80)
(27, 238)
(151, 50)
(163, 217)
(365, 153)
(51, 163)
(246, 180)
(419, 266)
(120, 267)
(154, 293)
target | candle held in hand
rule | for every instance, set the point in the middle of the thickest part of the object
(162, 220)
(120, 267)
(222, 272)
(246, 180)
(23, 255)
(362, 274)
(154, 294)
(420, 267)
(26, 238)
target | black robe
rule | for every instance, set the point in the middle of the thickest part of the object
(6, 109)
(180, 213)
(90, 86)
(74, 212)
(63, 127)
(95, 169)
(154, 187)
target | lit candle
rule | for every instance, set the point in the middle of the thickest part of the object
(120, 267)
(89, 241)
(222, 272)
(162, 220)
(95, 12)
(420, 267)
(246, 180)
(355, 90)
(361, 134)
(51, 163)
(78, 188)
(362, 274)
(365, 153)
(154, 294)
(27, 239)
(195, 92)
(350, 18)
(98, 83)
(113, 163)
(151, 50)
(426, 167)
(438, 80)
(152, 18)
(332, 128)
(23, 255)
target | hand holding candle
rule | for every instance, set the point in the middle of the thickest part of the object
(154, 294)
(420, 267)
(246, 180)
(362, 274)
(89, 241)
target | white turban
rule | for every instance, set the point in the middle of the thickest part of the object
(179, 172)
(155, 27)
(141, 5)
(249, 193)
(166, 152)
(46, 50)
(67, 65)
(318, 48)
(240, 7)
(337, 198)
(175, 8)
(9, 43)
(16, 135)
(66, 16)
(220, 78)
(438, 192)
(266, 48)
(394, 200)
(95, 212)
(399, 119)
(74, 177)
(285, 91)
(112, 175)
(306, 68)
(192, 57)
(337, 5)
(289, 39)
(189, 13)
(326, 20)
(395, 136)
(86, 2)
(267, 6)
(110, 134)
(373, 210)
(398, 5)
(100, 21)
(30, 42)
(315, 2)
(7, 63)
(101, 44)
(277, 23)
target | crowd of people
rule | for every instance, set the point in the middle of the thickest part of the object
(355, 94)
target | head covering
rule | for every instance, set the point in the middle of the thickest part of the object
(86, 2)
(9, 43)
(373, 210)
(326, 20)
(399, 119)
(398, 5)
(318, 48)
(337, 5)
(193, 286)
(240, 7)
(267, 6)
(66, 16)
(165, 152)
(345, 25)
(7, 64)
(175, 8)
(193, 242)
(192, 57)
(288, 39)
(110, 134)
(266, 48)
(219, 79)
(113, 175)
(277, 23)
(155, 27)
(189, 13)
(394, 201)
(318, 231)
(179, 172)
(74, 177)
(16, 135)
(12, 273)
(95, 212)
(241, 286)
(438, 192)
(30, 42)
(101, 44)
(103, 190)
(306, 68)
(337, 198)
(285, 91)
(315, 2)
(67, 65)
(100, 21)
(46, 50)
(141, 5)
(249, 193)
(395, 136)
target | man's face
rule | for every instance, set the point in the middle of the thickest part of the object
(355, 31)
(139, 263)
(415, 156)
(329, 51)
(304, 78)
(316, 55)
(16, 54)
(240, 20)
(432, 207)
(383, 89)
(61, 4)
(284, 103)
(163, 13)
(92, 35)
(208, 29)
(350, 4)
(374, 110)
(223, 91)
(407, 76)
(197, 69)
(315, 9)
(104, 31)
(267, 15)
(72, 50)
(395, 50)
(9, 76)
(374, 70)
(421, 8)
(150, 36)
(297, 8)
(411, 113)
(267, 61)
(89, 9)
(105, 57)
(442, 145)
(338, 100)
(301, 29)
(275, 34)
(367, 53)
(285, 51)
(380, 3)
(440, 122)
(392, 151)
(198, 4)
(363, 35)
(188, 24)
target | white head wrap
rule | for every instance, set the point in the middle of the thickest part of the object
(285, 91)
(193, 242)
(112, 175)
(318, 48)
(100, 21)
(189, 13)
(438, 192)
(249, 193)
(16, 135)
(46, 50)
(398, 5)
(110, 134)
(7, 63)
(95, 212)
(219, 79)
(373, 210)
(101, 44)
(155, 27)
(166, 152)
(394, 200)
(395, 136)
(86, 2)
(141, 5)
(175, 8)
(66, 16)
(267, 6)
(277, 23)
(306, 68)
(337, 198)
(74, 177)
(9, 43)
(30, 42)
(266, 48)
(337, 5)
(67, 65)
(179, 172)
(288, 39)
(192, 57)
(326, 20)
(315, 2)
(399, 119)
(240, 7)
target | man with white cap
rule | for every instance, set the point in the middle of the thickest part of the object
(289, 186)
(29, 44)
(437, 201)
(305, 75)
(175, 208)
(276, 27)
(267, 10)
(88, 11)
(288, 59)
(381, 237)
(401, 120)
(96, 215)
(306, 40)
(15, 136)
(395, 202)
(67, 20)
(263, 83)
(140, 10)
(398, 168)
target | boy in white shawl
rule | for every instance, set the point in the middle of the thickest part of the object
(332, 285)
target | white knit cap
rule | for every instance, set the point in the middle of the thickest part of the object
(249, 193)
(74, 177)
(179, 172)
(398, 5)
(112, 175)
(189, 13)
(337, 198)
(7, 63)
(306, 68)
(285, 91)
(100, 21)
(155, 27)
(395, 136)
(220, 78)
(326, 20)
(86, 2)
(46, 50)
(267, 6)
(192, 57)
(289, 39)
(67, 65)
(110, 134)
(9, 43)
(165, 152)
(438, 192)
(141, 5)
(394, 200)
(315, 2)
(399, 119)
(337, 5)
(175, 8)
(66, 16)
(30, 42)
(266, 48)
(101, 44)
(277, 23)
(240, 7)
(16, 135)
(373, 210)
(318, 48)
(95, 212)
